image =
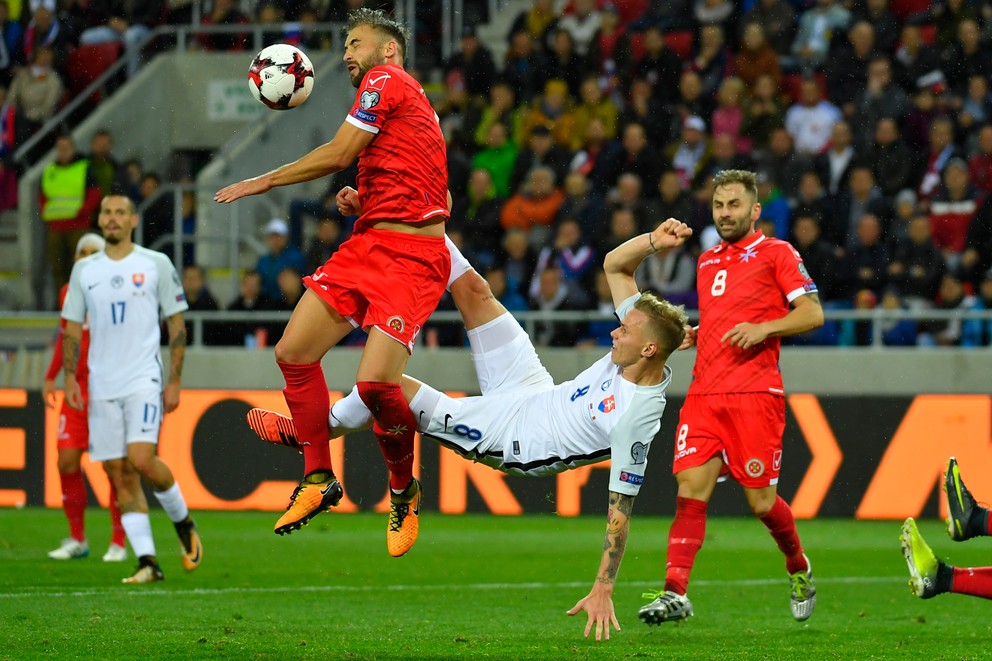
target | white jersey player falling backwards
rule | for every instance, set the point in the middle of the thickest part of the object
(524, 424)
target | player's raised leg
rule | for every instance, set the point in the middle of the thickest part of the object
(966, 518)
(313, 329)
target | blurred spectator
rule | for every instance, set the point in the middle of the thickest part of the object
(866, 263)
(11, 35)
(598, 159)
(715, 12)
(976, 107)
(564, 63)
(123, 21)
(756, 57)
(774, 205)
(582, 204)
(725, 156)
(976, 260)
(948, 16)
(534, 22)
(131, 178)
(917, 265)
(913, 58)
(673, 201)
(499, 158)
(847, 67)
(916, 123)
(623, 226)
(8, 185)
(638, 158)
(712, 59)
(511, 299)
(574, 258)
(834, 165)
(250, 298)
(281, 255)
(554, 296)
(610, 52)
(860, 198)
(947, 333)
(324, 243)
(763, 112)
(659, 66)
(158, 215)
(858, 332)
(778, 20)
(104, 167)
(310, 37)
(951, 211)
(816, 26)
(811, 119)
(880, 98)
(224, 12)
(821, 258)
(593, 104)
(966, 56)
(811, 197)
(517, 261)
(629, 194)
(34, 94)
(188, 207)
(201, 300)
(290, 284)
(501, 108)
(643, 108)
(534, 207)
(454, 110)
(941, 151)
(475, 63)
(581, 25)
(599, 332)
(541, 150)
(526, 67)
(672, 275)
(978, 332)
(552, 109)
(896, 332)
(894, 163)
(68, 200)
(691, 101)
(728, 118)
(691, 155)
(478, 216)
(782, 163)
(876, 12)
(664, 15)
(904, 209)
(45, 29)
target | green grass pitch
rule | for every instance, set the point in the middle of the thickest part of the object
(474, 587)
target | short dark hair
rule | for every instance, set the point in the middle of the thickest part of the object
(746, 178)
(380, 22)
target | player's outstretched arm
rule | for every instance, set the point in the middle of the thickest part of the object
(621, 262)
(336, 155)
(598, 604)
(177, 354)
(72, 338)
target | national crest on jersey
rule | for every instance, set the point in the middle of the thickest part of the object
(753, 280)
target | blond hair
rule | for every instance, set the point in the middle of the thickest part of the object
(666, 321)
(746, 178)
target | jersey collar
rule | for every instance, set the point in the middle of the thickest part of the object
(751, 241)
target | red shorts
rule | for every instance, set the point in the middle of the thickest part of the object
(745, 429)
(74, 432)
(390, 280)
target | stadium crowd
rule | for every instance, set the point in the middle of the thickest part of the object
(868, 121)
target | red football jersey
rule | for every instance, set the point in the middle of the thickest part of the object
(753, 280)
(82, 366)
(403, 172)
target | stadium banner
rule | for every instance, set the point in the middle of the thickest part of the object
(871, 457)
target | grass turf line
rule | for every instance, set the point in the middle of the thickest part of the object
(474, 587)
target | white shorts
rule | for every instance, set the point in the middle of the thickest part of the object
(509, 372)
(114, 423)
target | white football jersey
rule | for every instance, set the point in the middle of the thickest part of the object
(123, 299)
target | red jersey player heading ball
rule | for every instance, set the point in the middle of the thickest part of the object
(734, 415)
(387, 278)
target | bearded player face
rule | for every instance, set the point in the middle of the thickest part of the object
(364, 49)
(734, 212)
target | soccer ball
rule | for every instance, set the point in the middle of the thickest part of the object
(281, 76)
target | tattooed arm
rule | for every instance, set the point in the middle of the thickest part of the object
(598, 604)
(177, 353)
(72, 337)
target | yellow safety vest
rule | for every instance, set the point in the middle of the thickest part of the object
(64, 187)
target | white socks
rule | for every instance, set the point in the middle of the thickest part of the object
(173, 503)
(138, 528)
(350, 412)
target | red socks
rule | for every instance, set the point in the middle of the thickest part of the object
(975, 581)
(117, 535)
(74, 503)
(309, 403)
(685, 538)
(393, 426)
(782, 525)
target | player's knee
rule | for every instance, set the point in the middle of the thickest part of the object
(470, 287)
(285, 352)
(761, 506)
(68, 465)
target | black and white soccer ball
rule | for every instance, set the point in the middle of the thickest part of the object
(281, 76)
